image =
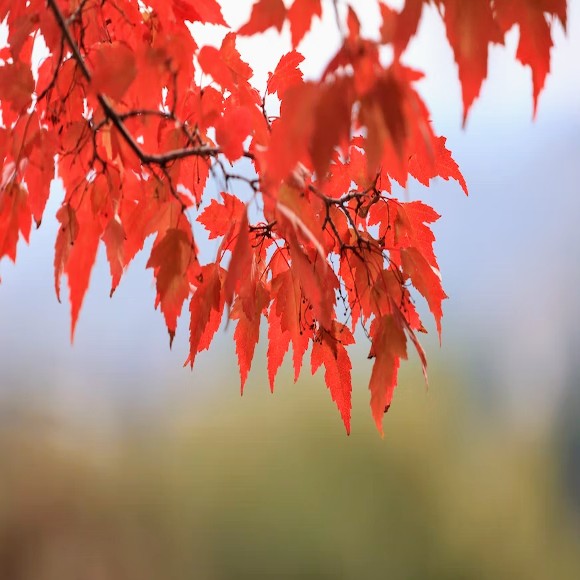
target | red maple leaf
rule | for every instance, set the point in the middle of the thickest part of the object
(232, 130)
(217, 218)
(171, 258)
(205, 308)
(75, 253)
(535, 33)
(399, 27)
(286, 74)
(114, 238)
(247, 331)
(471, 28)
(329, 350)
(15, 218)
(16, 85)
(300, 15)
(114, 70)
(388, 348)
(265, 14)
(206, 11)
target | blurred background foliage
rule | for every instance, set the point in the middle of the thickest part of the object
(270, 487)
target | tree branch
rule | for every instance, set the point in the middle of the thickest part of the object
(116, 119)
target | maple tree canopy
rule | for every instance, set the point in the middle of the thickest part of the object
(134, 117)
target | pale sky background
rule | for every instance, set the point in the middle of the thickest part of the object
(508, 253)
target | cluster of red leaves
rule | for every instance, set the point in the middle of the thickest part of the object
(116, 110)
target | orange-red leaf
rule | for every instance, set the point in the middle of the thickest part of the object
(15, 218)
(114, 238)
(289, 306)
(427, 279)
(470, 30)
(16, 85)
(535, 33)
(440, 164)
(383, 113)
(411, 229)
(332, 124)
(75, 253)
(40, 172)
(300, 16)
(247, 331)
(115, 69)
(278, 343)
(399, 27)
(389, 346)
(232, 130)
(329, 349)
(205, 11)
(292, 132)
(317, 280)
(265, 14)
(171, 258)
(240, 268)
(205, 309)
(225, 65)
(217, 218)
(231, 57)
(286, 73)
(65, 239)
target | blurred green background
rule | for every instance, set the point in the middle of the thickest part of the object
(270, 487)
(117, 464)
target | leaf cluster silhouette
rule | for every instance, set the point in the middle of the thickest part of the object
(135, 117)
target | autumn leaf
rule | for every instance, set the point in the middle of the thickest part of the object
(231, 57)
(40, 171)
(16, 85)
(300, 15)
(389, 346)
(15, 218)
(427, 279)
(399, 27)
(205, 309)
(329, 350)
(383, 112)
(247, 331)
(225, 65)
(288, 313)
(411, 228)
(232, 130)
(205, 11)
(115, 69)
(265, 14)
(471, 28)
(535, 40)
(440, 164)
(218, 217)
(67, 235)
(240, 269)
(286, 74)
(286, 209)
(171, 258)
(332, 124)
(317, 280)
(291, 134)
(114, 238)
(278, 344)
(75, 253)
